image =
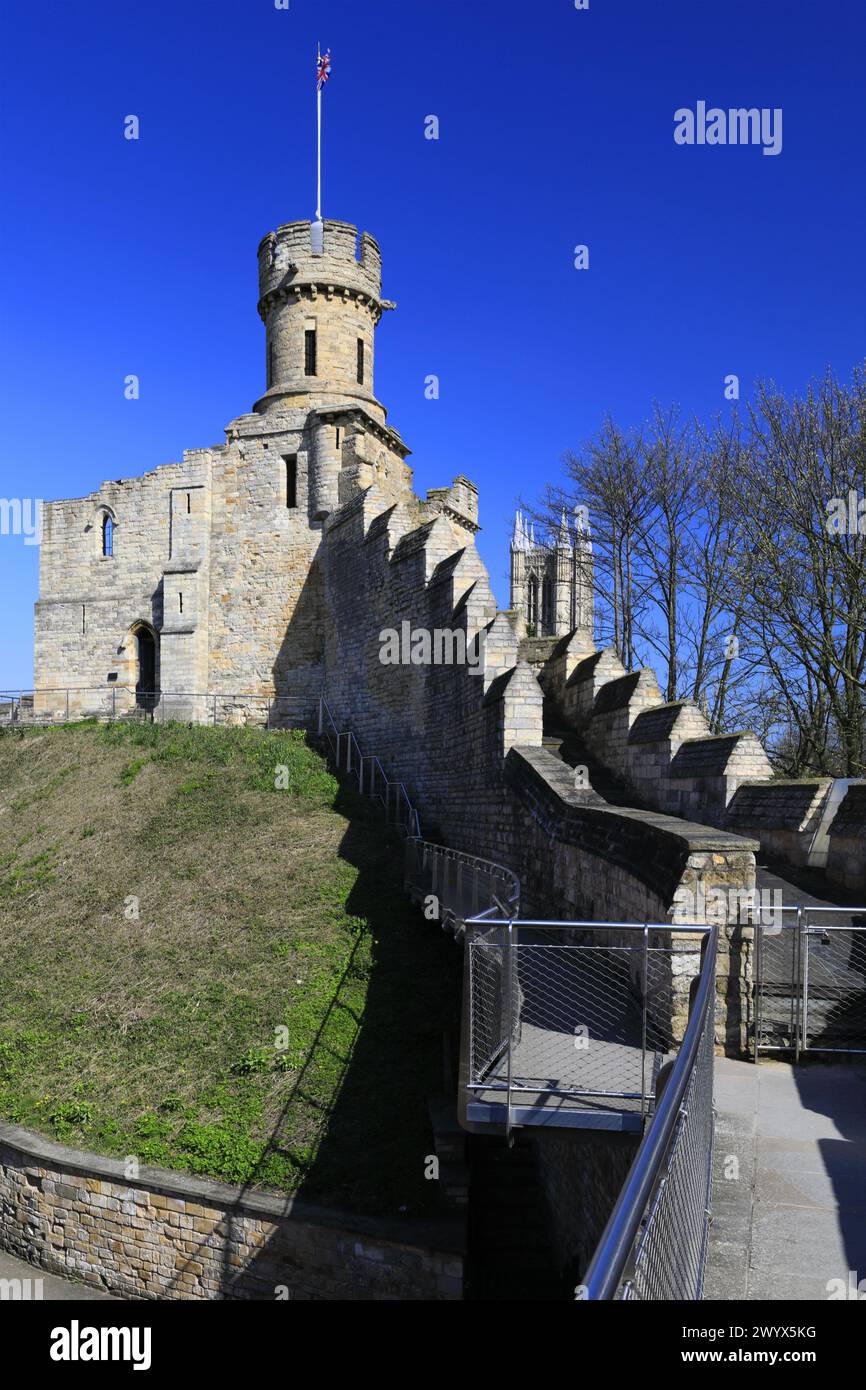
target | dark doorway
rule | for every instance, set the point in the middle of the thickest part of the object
(146, 693)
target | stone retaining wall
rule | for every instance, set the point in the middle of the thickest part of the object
(164, 1235)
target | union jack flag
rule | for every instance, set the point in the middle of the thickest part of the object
(323, 69)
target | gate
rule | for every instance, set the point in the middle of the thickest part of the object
(810, 982)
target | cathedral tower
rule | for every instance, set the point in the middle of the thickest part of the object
(552, 585)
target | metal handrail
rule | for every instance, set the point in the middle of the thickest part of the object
(603, 1277)
(451, 913)
(412, 826)
(105, 706)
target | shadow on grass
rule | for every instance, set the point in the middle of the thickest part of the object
(375, 1135)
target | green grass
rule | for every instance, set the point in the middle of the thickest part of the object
(207, 973)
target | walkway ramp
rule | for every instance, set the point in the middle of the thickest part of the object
(789, 1200)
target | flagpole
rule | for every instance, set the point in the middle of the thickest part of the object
(318, 139)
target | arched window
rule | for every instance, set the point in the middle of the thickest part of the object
(532, 603)
(107, 535)
(547, 605)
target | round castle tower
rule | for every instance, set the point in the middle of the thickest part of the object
(320, 300)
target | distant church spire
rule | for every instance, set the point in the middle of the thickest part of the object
(583, 529)
(519, 538)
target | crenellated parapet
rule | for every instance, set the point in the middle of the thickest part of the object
(320, 300)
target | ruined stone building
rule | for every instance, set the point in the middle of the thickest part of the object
(202, 575)
(252, 576)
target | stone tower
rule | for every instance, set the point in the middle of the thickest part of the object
(320, 300)
(552, 584)
(204, 578)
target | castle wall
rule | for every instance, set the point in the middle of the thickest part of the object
(468, 746)
(89, 602)
(846, 859)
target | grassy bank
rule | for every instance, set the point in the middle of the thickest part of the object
(207, 971)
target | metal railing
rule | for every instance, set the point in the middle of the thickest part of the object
(574, 1014)
(810, 982)
(654, 1245)
(460, 886)
(72, 704)
(369, 774)
(587, 1013)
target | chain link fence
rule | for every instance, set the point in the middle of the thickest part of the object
(810, 985)
(654, 1246)
(590, 1022)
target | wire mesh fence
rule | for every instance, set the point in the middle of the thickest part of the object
(777, 993)
(811, 982)
(587, 1020)
(654, 1246)
(671, 1248)
(833, 967)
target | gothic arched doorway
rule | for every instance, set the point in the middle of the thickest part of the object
(146, 680)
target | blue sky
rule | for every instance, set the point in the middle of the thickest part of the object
(556, 128)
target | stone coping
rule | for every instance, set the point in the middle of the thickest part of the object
(557, 780)
(445, 1233)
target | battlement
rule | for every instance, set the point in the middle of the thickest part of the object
(289, 256)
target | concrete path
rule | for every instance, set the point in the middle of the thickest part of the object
(53, 1287)
(789, 1192)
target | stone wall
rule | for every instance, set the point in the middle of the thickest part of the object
(164, 1235)
(782, 814)
(468, 745)
(663, 751)
(846, 859)
(581, 1174)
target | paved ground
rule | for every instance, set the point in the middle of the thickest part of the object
(794, 1218)
(53, 1287)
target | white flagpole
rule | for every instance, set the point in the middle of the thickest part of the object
(319, 138)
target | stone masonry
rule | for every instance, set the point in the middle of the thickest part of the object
(172, 1236)
(276, 564)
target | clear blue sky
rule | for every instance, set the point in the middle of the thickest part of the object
(556, 129)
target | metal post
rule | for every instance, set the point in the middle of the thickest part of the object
(757, 985)
(802, 975)
(361, 776)
(113, 703)
(321, 714)
(509, 1024)
(645, 992)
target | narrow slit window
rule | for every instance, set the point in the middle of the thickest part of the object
(107, 535)
(83, 619)
(339, 434)
(291, 462)
(310, 352)
(361, 361)
(180, 601)
(188, 504)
